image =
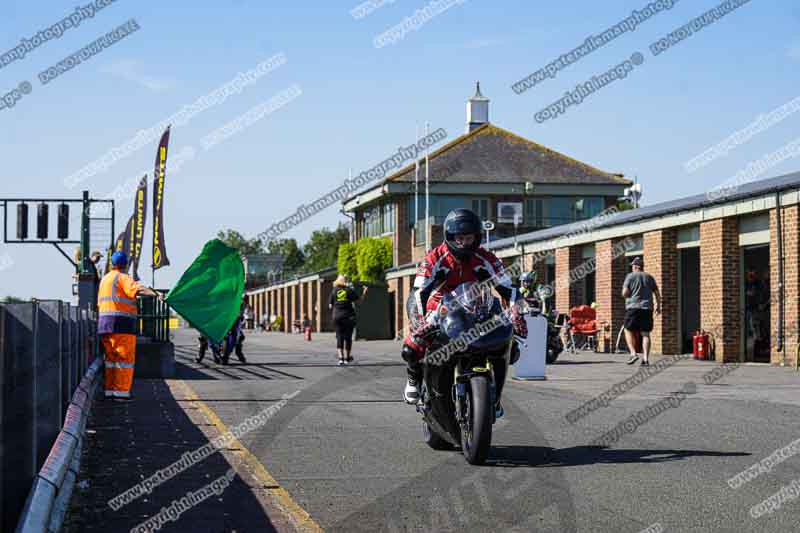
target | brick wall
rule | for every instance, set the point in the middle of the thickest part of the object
(272, 308)
(791, 279)
(530, 264)
(407, 283)
(326, 286)
(298, 311)
(418, 253)
(403, 234)
(568, 294)
(301, 308)
(661, 261)
(313, 314)
(610, 274)
(293, 298)
(394, 291)
(719, 285)
(284, 295)
(436, 235)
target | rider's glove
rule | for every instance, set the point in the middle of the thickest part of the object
(421, 334)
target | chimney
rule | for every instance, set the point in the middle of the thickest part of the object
(477, 109)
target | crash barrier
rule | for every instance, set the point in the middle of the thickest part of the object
(49, 496)
(154, 318)
(45, 349)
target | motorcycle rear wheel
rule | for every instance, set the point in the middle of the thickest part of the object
(476, 439)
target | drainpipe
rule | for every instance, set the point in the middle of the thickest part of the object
(352, 224)
(781, 299)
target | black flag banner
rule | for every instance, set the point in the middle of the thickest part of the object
(160, 258)
(123, 241)
(139, 220)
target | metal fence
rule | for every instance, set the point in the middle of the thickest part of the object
(154, 318)
(45, 349)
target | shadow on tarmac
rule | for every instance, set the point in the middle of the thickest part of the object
(129, 442)
(537, 456)
(585, 362)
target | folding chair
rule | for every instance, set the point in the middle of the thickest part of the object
(583, 322)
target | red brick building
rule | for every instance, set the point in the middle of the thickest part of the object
(718, 264)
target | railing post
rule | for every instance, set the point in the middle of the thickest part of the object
(34, 391)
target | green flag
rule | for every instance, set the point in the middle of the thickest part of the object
(209, 293)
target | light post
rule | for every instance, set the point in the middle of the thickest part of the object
(488, 226)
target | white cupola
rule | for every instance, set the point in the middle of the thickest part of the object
(477, 109)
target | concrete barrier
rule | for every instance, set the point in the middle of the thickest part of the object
(49, 496)
(154, 359)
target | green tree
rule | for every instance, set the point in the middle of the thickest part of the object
(234, 239)
(366, 259)
(13, 300)
(293, 257)
(624, 206)
(346, 264)
(373, 256)
(322, 249)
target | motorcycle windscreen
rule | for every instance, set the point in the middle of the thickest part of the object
(491, 337)
(496, 339)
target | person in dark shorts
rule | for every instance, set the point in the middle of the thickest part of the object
(639, 289)
(342, 301)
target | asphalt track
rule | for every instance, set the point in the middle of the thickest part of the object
(349, 453)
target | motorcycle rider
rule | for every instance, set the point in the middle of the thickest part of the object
(204, 345)
(217, 348)
(527, 283)
(459, 259)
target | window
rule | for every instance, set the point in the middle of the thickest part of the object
(388, 217)
(439, 207)
(555, 210)
(592, 206)
(529, 213)
(373, 222)
(534, 212)
(754, 229)
(480, 206)
(637, 249)
(689, 237)
(560, 210)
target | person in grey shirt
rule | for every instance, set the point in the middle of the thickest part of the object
(639, 289)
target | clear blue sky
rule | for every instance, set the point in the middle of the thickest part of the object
(360, 103)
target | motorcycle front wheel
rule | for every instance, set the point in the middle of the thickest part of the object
(476, 437)
(554, 349)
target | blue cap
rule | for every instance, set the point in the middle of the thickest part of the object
(119, 259)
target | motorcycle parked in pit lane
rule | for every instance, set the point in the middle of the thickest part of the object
(459, 390)
(537, 305)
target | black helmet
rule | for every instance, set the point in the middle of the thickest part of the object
(458, 222)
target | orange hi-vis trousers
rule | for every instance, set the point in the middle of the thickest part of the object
(120, 349)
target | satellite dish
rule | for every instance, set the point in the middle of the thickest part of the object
(488, 225)
(634, 193)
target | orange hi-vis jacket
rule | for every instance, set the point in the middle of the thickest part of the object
(116, 302)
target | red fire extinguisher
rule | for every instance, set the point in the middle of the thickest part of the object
(308, 333)
(700, 343)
